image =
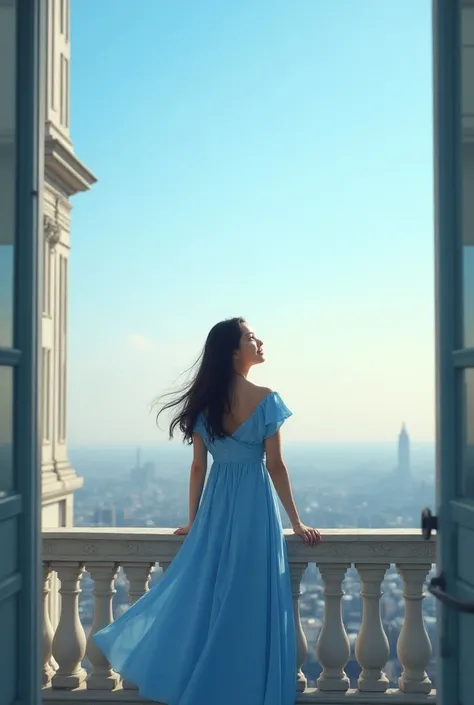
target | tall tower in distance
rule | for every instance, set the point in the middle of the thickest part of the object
(142, 476)
(403, 464)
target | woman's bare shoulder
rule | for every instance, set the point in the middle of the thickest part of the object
(257, 392)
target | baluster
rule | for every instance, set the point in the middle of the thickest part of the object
(414, 646)
(69, 642)
(138, 575)
(372, 648)
(48, 632)
(296, 573)
(333, 647)
(54, 606)
(102, 676)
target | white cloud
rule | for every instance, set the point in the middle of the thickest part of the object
(140, 342)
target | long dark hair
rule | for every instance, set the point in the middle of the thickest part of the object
(209, 391)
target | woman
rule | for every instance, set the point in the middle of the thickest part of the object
(218, 628)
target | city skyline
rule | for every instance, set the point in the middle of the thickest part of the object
(239, 177)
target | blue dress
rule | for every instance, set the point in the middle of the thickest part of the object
(219, 626)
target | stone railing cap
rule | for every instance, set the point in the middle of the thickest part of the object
(128, 545)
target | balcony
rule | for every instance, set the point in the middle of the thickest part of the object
(102, 552)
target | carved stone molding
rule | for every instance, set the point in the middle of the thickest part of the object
(119, 551)
(121, 545)
(52, 232)
(62, 166)
(356, 546)
(53, 226)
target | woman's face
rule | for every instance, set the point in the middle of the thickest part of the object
(251, 348)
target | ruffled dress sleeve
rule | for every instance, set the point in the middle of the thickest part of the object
(199, 426)
(275, 413)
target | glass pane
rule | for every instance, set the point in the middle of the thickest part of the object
(6, 430)
(468, 171)
(7, 166)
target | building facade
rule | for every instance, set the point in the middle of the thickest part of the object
(65, 175)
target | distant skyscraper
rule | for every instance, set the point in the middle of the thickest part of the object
(403, 465)
(142, 476)
(105, 516)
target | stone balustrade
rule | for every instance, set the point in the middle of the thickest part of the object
(76, 671)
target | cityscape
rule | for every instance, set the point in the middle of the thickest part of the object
(363, 496)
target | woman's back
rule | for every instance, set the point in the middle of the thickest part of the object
(260, 416)
(245, 400)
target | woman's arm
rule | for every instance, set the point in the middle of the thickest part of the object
(279, 474)
(197, 477)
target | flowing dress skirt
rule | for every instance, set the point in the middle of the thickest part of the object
(218, 629)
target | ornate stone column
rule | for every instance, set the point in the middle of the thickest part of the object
(103, 575)
(69, 642)
(333, 648)
(138, 575)
(372, 647)
(296, 571)
(414, 646)
(48, 632)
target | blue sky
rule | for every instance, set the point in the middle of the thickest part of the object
(263, 158)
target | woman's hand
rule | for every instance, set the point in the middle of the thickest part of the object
(309, 535)
(183, 530)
